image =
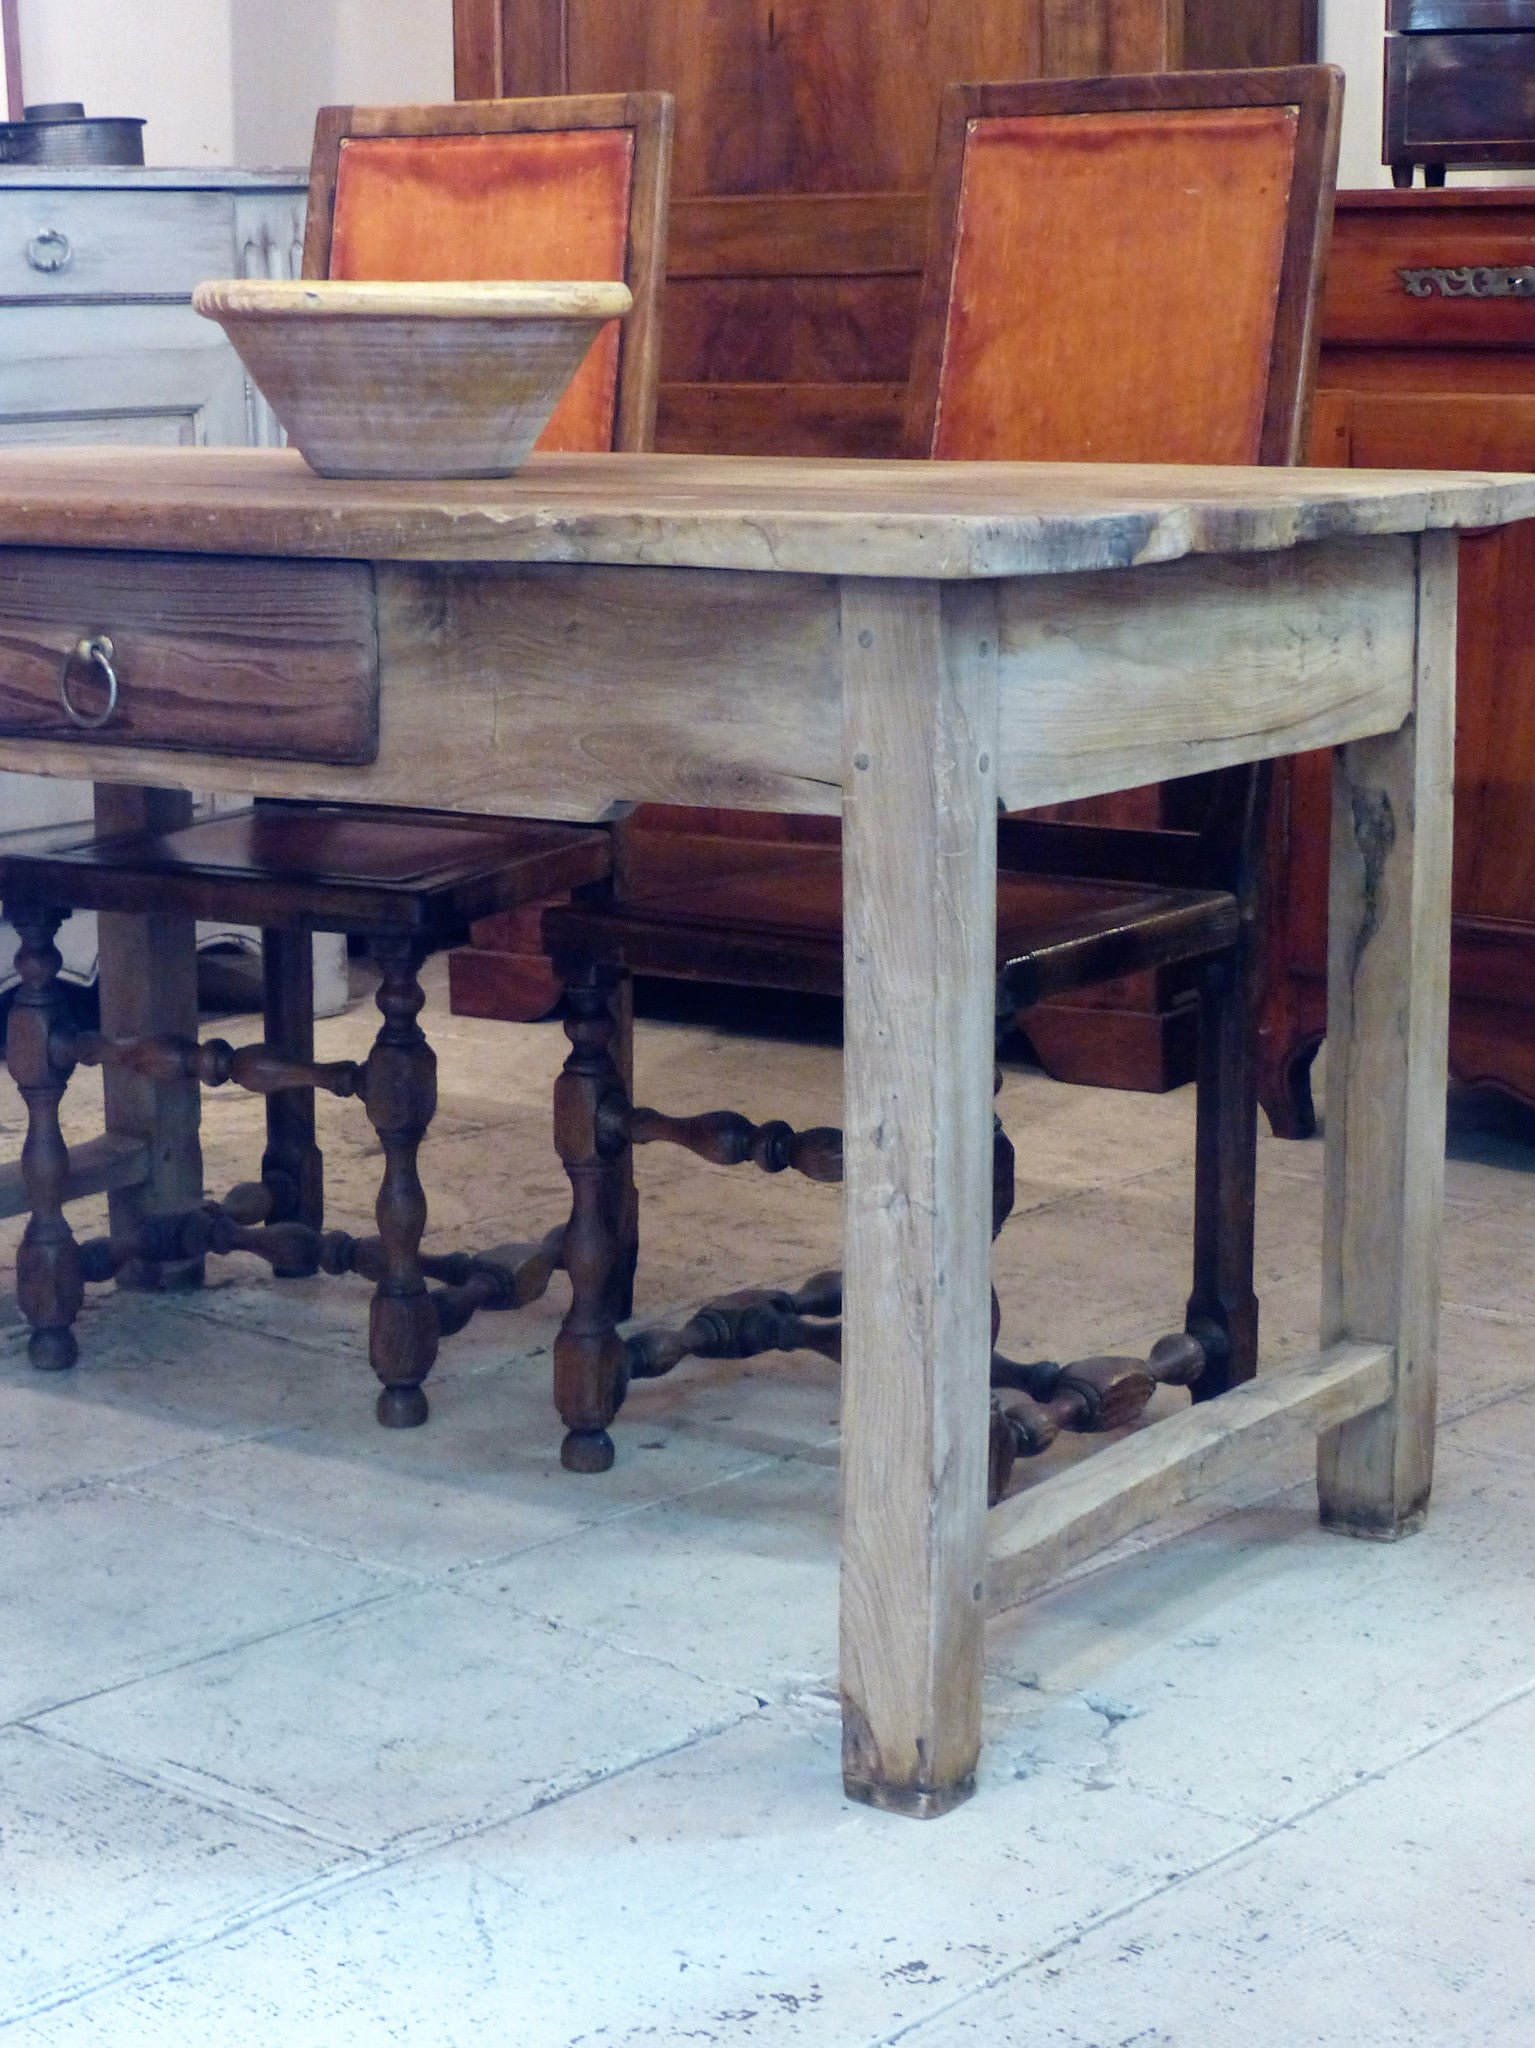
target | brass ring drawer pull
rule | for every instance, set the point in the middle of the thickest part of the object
(95, 653)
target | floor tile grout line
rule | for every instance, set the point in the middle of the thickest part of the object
(190, 1663)
(411, 1850)
(293, 1539)
(911, 2030)
(63, 1489)
(151, 1780)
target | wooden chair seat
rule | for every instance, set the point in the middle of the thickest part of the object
(309, 866)
(779, 925)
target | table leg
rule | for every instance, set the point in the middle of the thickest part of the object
(1387, 1026)
(919, 674)
(148, 982)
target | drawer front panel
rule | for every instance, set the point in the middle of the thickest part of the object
(116, 244)
(1441, 277)
(1449, 91)
(1460, 14)
(273, 660)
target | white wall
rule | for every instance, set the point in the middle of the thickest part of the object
(291, 56)
(233, 81)
(168, 60)
(1353, 36)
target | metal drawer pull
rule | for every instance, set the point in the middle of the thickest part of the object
(97, 653)
(1471, 281)
(50, 250)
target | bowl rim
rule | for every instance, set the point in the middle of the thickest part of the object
(498, 299)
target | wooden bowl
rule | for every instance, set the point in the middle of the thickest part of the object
(412, 380)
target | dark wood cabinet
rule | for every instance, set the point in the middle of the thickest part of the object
(1428, 362)
(1460, 85)
(805, 135)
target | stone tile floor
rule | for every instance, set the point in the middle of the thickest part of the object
(315, 1733)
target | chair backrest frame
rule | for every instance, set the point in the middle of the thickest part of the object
(650, 117)
(1313, 91)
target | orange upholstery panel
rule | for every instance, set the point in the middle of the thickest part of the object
(434, 208)
(1114, 287)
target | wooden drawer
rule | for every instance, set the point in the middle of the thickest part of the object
(1443, 272)
(1460, 14)
(274, 660)
(112, 244)
(1465, 98)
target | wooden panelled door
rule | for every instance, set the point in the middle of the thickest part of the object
(805, 135)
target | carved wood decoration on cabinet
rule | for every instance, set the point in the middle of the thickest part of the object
(804, 149)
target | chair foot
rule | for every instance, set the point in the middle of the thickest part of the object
(52, 1350)
(587, 1450)
(402, 1407)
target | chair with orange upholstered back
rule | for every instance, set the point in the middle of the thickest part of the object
(1119, 270)
(503, 189)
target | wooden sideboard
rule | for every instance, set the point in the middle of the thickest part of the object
(798, 225)
(1428, 360)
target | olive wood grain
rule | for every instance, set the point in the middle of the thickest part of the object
(948, 520)
(1230, 658)
(1036, 1536)
(920, 714)
(1388, 1014)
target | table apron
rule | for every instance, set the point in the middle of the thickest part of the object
(570, 691)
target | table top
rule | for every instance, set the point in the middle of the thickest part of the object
(950, 521)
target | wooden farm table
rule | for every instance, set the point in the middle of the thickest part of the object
(912, 645)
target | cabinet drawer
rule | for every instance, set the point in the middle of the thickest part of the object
(1460, 14)
(112, 244)
(274, 660)
(1440, 276)
(1459, 94)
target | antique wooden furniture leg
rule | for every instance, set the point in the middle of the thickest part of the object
(919, 761)
(148, 982)
(400, 1095)
(1387, 997)
(601, 1240)
(49, 1282)
(292, 1169)
(1223, 1308)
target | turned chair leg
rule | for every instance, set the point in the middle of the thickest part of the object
(1223, 1309)
(292, 1169)
(49, 1282)
(601, 1239)
(625, 1195)
(400, 1093)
